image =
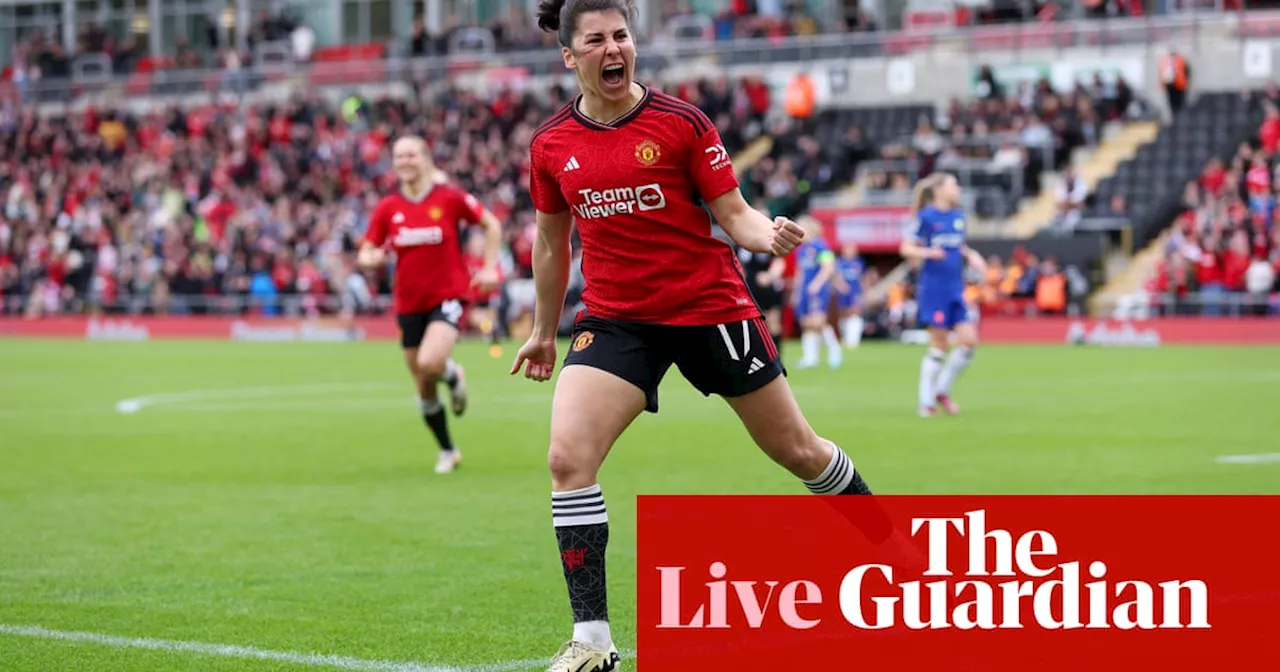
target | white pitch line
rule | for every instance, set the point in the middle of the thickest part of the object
(233, 651)
(1256, 458)
(135, 404)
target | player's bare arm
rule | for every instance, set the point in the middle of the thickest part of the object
(552, 254)
(975, 259)
(486, 279)
(752, 229)
(910, 249)
(825, 272)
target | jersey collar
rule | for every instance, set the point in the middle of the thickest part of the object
(619, 123)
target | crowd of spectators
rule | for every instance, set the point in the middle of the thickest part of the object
(224, 208)
(1222, 255)
(44, 56)
(1003, 138)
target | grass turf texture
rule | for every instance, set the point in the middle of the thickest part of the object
(302, 515)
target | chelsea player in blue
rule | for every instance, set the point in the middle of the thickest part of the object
(815, 268)
(849, 271)
(939, 241)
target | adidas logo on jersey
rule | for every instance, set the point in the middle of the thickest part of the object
(572, 164)
(756, 365)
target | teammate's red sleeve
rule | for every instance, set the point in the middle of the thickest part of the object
(471, 208)
(543, 188)
(711, 167)
(376, 234)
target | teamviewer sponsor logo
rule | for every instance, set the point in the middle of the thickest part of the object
(601, 203)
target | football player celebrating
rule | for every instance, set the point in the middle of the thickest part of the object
(632, 167)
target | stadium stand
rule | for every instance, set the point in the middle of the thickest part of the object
(1202, 200)
(221, 209)
(1002, 138)
(822, 155)
(1002, 142)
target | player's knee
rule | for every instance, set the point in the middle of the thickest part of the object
(431, 366)
(569, 465)
(803, 451)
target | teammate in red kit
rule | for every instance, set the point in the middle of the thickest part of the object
(633, 167)
(423, 223)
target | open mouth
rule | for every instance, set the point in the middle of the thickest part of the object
(614, 74)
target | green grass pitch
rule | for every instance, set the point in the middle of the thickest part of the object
(281, 496)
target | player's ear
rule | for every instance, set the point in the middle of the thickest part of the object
(569, 61)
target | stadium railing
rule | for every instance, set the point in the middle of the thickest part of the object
(93, 74)
(991, 191)
(1143, 305)
(1136, 305)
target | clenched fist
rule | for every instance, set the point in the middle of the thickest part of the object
(787, 235)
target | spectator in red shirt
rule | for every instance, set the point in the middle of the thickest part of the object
(1258, 185)
(1235, 262)
(1269, 133)
(1214, 177)
(1209, 275)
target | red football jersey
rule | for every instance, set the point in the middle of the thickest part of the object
(425, 235)
(634, 188)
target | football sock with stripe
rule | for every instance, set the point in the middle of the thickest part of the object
(433, 414)
(450, 375)
(842, 478)
(582, 533)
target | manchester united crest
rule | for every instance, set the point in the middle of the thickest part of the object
(583, 341)
(435, 213)
(648, 152)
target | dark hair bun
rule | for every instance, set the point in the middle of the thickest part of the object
(549, 14)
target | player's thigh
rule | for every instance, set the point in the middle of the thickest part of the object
(440, 337)
(591, 409)
(632, 352)
(966, 334)
(776, 423)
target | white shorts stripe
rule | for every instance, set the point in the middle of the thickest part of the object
(746, 339)
(728, 343)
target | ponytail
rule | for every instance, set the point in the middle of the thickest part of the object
(923, 192)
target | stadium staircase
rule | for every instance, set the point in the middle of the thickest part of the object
(752, 154)
(1093, 166)
(1128, 280)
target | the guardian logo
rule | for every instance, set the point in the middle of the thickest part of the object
(1008, 583)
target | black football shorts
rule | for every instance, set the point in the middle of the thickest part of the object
(728, 360)
(413, 326)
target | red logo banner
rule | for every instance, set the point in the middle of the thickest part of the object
(873, 229)
(988, 584)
